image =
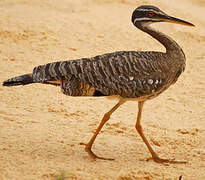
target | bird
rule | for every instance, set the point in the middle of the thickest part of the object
(127, 75)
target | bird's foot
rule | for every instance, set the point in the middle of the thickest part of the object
(165, 161)
(93, 155)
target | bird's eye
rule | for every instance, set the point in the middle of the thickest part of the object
(151, 13)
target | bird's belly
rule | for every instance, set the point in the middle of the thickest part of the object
(149, 95)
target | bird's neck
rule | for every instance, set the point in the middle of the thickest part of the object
(165, 40)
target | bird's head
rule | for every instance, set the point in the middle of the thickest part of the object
(147, 14)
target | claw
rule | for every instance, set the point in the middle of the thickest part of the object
(160, 160)
(94, 156)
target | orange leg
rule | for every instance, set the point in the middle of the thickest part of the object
(138, 126)
(105, 118)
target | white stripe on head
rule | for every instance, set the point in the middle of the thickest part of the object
(142, 19)
(147, 10)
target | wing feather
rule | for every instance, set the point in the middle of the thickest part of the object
(125, 73)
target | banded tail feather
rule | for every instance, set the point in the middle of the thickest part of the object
(59, 74)
(19, 80)
(46, 74)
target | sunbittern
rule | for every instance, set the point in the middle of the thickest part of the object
(131, 75)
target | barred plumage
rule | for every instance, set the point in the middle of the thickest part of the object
(128, 74)
(125, 73)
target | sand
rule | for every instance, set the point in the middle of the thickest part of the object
(41, 129)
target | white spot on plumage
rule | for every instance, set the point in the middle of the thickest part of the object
(131, 78)
(150, 81)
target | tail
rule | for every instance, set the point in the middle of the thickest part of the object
(19, 80)
(51, 73)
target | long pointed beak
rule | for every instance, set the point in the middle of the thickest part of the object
(176, 21)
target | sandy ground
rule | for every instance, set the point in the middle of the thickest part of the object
(41, 130)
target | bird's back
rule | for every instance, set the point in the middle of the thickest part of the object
(129, 74)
